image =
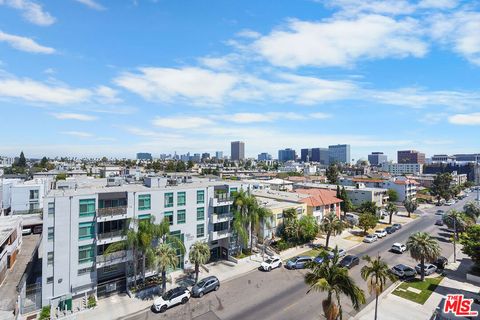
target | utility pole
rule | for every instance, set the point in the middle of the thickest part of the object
(455, 239)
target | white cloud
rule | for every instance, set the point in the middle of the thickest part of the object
(438, 4)
(320, 115)
(198, 85)
(74, 116)
(249, 34)
(252, 117)
(459, 31)
(24, 44)
(341, 42)
(79, 134)
(92, 4)
(355, 7)
(470, 119)
(31, 11)
(34, 91)
(181, 122)
(107, 95)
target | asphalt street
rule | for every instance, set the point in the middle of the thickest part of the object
(282, 294)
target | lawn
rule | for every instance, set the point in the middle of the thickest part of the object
(312, 253)
(426, 287)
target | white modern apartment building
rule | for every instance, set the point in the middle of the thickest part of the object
(6, 162)
(10, 243)
(82, 222)
(27, 197)
(398, 169)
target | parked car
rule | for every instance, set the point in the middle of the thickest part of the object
(450, 202)
(341, 253)
(271, 263)
(427, 267)
(382, 214)
(369, 238)
(319, 259)
(441, 262)
(298, 262)
(403, 271)
(397, 226)
(179, 295)
(439, 222)
(440, 212)
(381, 233)
(352, 219)
(205, 285)
(349, 261)
(390, 230)
(398, 248)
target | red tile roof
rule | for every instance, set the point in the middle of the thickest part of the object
(319, 197)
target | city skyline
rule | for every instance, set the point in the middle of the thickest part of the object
(159, 78)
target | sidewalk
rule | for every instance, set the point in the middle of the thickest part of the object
(399, 308)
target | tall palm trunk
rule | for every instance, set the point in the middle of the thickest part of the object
(143, 266)
(376, 306)
(164, 280)
(329, 308)
(134, 267)
(422, 271)
(390, 219)
(196, 271)
(327, 242)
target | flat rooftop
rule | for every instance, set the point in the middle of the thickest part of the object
(280, 195)
(334, 187)
(7, 225)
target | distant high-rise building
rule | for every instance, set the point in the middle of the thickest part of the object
(144, 156)
(339, 153)
(410, 156)
(320, 155)
(306, 155)
(286, 155)
(264, 156)
(377, 158)
(205, 156)
(237, 150)
(219, 154)
(196, 157)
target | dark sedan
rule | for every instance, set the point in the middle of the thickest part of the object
(390, 230)
(349, 261)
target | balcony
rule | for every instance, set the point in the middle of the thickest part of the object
(111, 234)
(112, 211)
(112, 258)
(217, 235)
(31, 211)
(222, 199)
(224, 217)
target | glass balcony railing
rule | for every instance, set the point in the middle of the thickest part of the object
(112, 211)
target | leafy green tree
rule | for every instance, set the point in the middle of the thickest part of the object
(346, 204)
(332, 174)
(166, 258)
(441, 186)
(368, 207)
(410, 206)
(22, 162)
(376, 272)
(45, 313)
(290, 224)
(307, 228)
(391, 208)
(190, 164)
(471, 243)
(61, 176)
(423, 248)
(367, 221)
(257, 215)
(331, 225)
(180, 166)
(392, 195)
(241, 205)
(44, 162)
(333, 279)
(199, 254)
(171, 166)
(472, 210)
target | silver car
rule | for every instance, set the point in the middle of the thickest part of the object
(427, 267)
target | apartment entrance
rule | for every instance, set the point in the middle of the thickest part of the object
(218, 253)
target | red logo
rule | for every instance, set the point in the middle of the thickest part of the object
(459, 306)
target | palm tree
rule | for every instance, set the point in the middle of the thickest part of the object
(391, 208)
(331, 225)
(458, 221)
(256, 215)
(290, 223)
(376, 272)
(242, 203)
(423, 247)
(331, 278)
(166, 259)
(410, 206)
(472, 210)
(199, 254)
(146, 233)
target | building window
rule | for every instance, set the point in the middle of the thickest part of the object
(200, 214)
(200, 230)
(87, 207)
(86, 253)
(169, 200)
(181, 216)
(232, 191)
(51, 233)
(33, 194)
(85, 270)
(200, 196)
(49, 280)
(144, 202)
(86, 230)
(169, 216)
(50, 258)
(51, 208)
(110, 269)
(144, 216)
(181, 199)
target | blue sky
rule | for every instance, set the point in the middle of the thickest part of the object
(108, 77)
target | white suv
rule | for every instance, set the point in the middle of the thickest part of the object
(381, 233)
(271, 263)
(179, 295)
(398, 248)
